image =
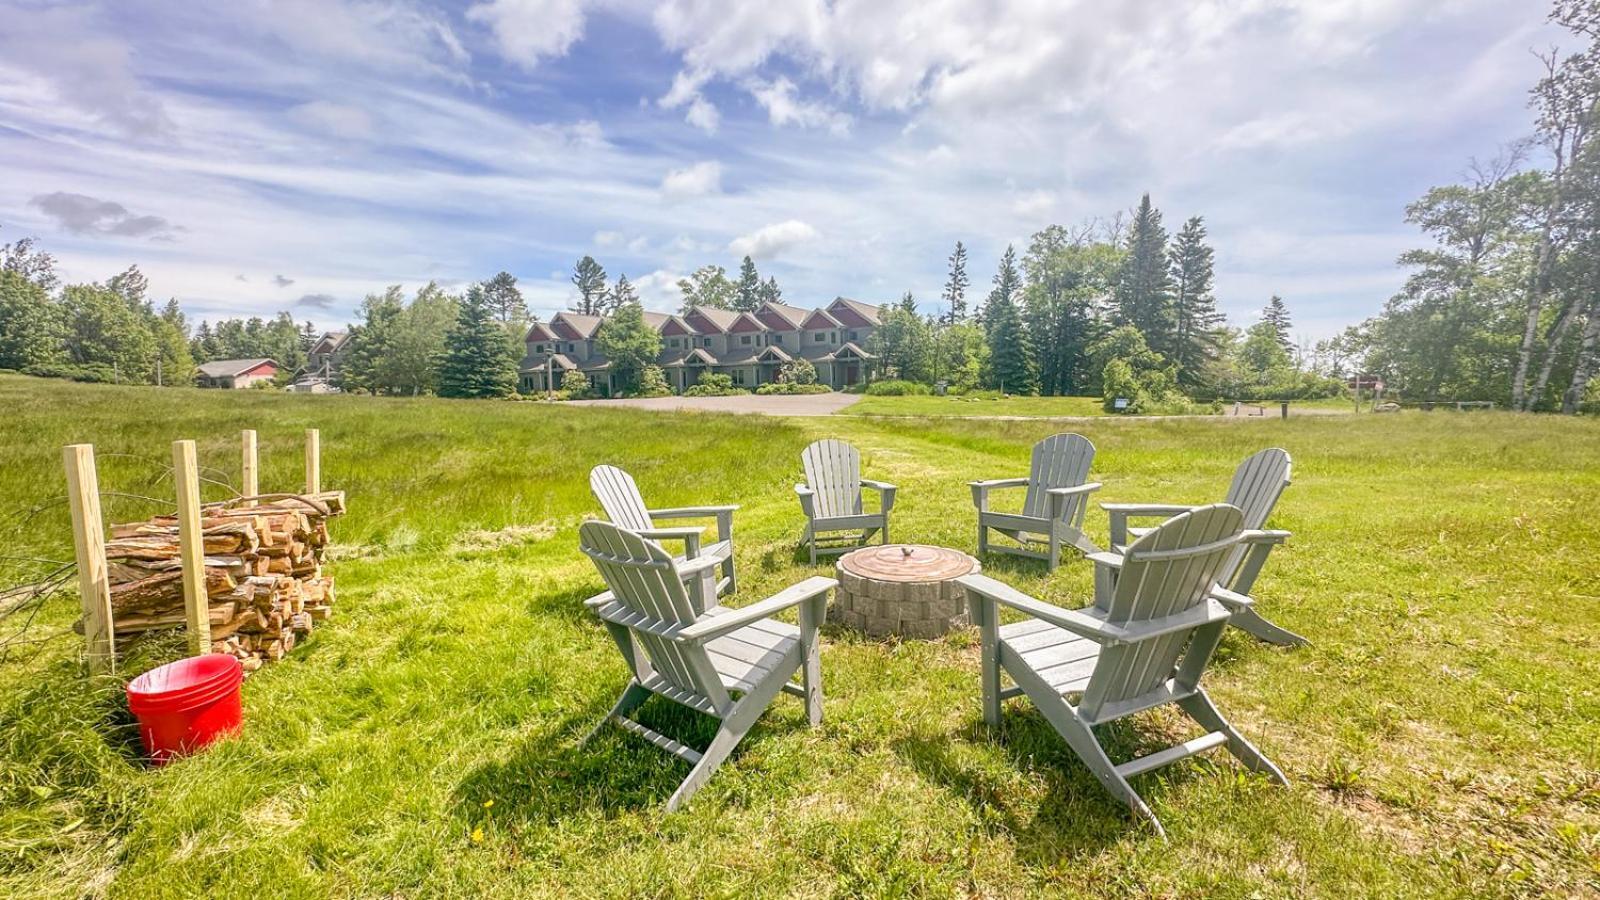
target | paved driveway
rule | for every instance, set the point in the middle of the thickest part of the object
(769, 405)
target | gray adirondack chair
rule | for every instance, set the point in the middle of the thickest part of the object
(832, 499)
(1054, 507)
(1257, 484)
(701, 657)
(1144, 643)
(619, 496)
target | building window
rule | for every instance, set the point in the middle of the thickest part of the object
(538, 348)
(672, 342)
(572, 348)
(744, 339)
(738, 376)
(820, 337)
(854, 336)
(777, 339)
(833, 337)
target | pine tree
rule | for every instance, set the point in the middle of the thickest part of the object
(908, 303)
(1195, 309)
(770, 292)
(955, 289)
(622, 293)
(747, 293)
(1011, 363)
(1276, 314)
(630, 344)
(590, 279)
(480, 358)
(1143, 297)
(505, 300)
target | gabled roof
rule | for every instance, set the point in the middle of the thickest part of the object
(675, 326)
(866, 311)
(538, 332)
(781, 316)
(826, 321)
(746, 323)
(333, 339)
(677, 358)
(721, 319)
(230, 368)
(582, 326)
(538, 362)
(656, 319)
(777, 352)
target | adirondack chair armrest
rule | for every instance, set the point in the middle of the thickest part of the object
(981, 489)
(1264, 536)
(886, 492)
(712, 626)
(808, 500)
(601, 599)
(1087, 487)
(1122, 512)
(1104, 558)
(689, 535)
(723, 515)
(693, 568)
(1070, 619)
(1234, 602)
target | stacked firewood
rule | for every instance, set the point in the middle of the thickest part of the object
(263, 573)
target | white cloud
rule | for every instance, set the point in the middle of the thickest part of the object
(778, 98)
(527, 30)
(771, 240)
(337, 119)
(703, 115)
(607, 238)
(695, 181)
(1034, 203)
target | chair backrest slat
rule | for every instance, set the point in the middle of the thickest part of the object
(619, 496)
(644, 579)
(833, 471)
(1061, 460)
(1149, 589)
(1258, 483)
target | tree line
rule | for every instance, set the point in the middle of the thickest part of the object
(1503, 303)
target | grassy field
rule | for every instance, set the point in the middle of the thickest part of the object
(1035, 407)
(1440, 734)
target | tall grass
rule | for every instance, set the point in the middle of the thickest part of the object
(1440, 732)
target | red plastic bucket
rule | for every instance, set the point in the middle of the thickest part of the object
(185, 705)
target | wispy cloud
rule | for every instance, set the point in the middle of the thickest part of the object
(82, 214)
(317, 301)
(697, 180)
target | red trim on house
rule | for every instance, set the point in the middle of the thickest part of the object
(821, 319)
(266, 368)
(746, 322)
(566, 332)
(537, 332)
(701, 324)
(774, 321)
(675, 328)
(847, 316)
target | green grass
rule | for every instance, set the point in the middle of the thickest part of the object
(1440, 733)
(952, 406)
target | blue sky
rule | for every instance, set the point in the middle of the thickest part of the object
(257, 156)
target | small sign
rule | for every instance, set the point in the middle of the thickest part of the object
(1120, 403)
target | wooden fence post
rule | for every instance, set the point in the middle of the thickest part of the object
(249, 481)
(313, 461)
(89, 542)
(191, 547)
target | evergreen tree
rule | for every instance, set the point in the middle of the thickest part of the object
(708, 286)
(505, 300)
(630, 344)
(1143, 296)
(30, 333)
(1195, 309)
(622, 294)
(903, 342)
(908, 303)
(1007, 281)
(955, 289)
(480, 357)
(172, 345)
(747, 291)
(370, 342)
(1011, 362)
(1068, 279)
(416, 345)
(1276, 314)
(107, 335)
(770, 292)
(590, 279)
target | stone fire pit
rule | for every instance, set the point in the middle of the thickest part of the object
(903, 589)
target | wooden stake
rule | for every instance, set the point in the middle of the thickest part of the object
(313, 461)
(249, 483)
(191, 549)
(89, 541)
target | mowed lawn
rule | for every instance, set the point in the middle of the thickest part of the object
(1440, 733)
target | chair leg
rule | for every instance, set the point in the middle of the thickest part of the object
(1055, 551)
(1200, 708)
(811, 540)
(811, 615)
(734, 728)
(1251, 621)
(885, 528)
(1081, 739)
(632, 698)
(983, 536)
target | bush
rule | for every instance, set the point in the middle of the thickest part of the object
(897, 388)
(713, 385)
(793, 388)
(574, 386)
(653, 383)
(797, 371)
(94, 374)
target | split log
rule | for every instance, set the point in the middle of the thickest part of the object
(164, 591)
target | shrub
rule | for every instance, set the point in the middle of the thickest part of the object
(714, 385)
(93, 373)
(793, 388)
(897, 388)
(797, 371)
(574, 386)
(653, 383)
